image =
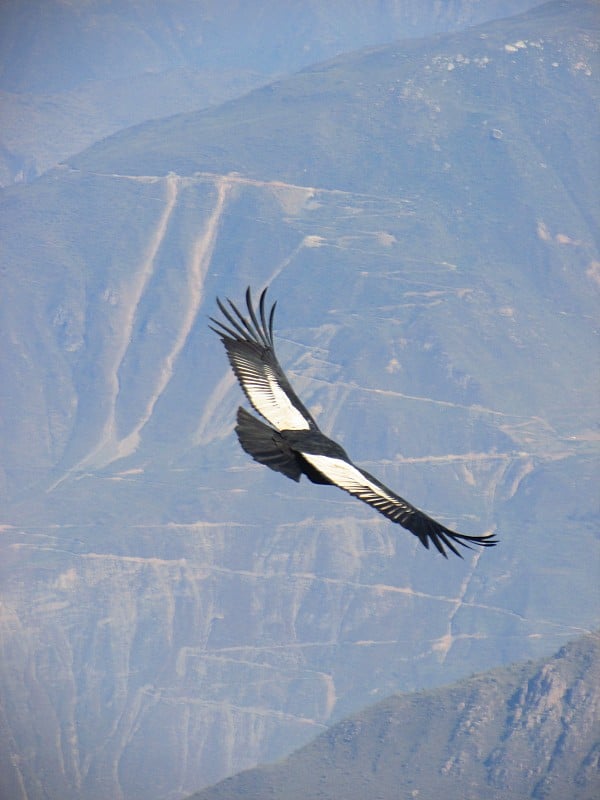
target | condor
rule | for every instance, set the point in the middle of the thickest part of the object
(292, 443)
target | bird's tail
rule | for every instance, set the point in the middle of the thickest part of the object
(266, 445)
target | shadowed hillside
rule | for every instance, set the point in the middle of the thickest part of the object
(530, 730)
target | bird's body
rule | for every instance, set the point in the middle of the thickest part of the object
(292, 443)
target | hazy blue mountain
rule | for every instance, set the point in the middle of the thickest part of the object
(72, 73)
(426, 214)
(530, 730)
(68, 44)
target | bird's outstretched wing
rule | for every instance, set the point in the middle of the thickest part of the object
(251, 353)
(296, 445)
(361, 484)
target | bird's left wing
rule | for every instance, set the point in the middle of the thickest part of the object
(249, 345)
(365, 487)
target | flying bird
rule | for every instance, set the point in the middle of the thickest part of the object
(291, 442)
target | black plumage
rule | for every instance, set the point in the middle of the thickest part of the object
(292, 443)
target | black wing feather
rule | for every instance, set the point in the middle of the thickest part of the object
(341, 472)
(266, 445)
(251, 353)
(421, 524)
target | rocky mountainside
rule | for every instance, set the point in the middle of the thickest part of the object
(426, 215)
(527, 731)
(72, 73)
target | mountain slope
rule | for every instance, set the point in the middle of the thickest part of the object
(171, 612)
(530, 730)
(71, 74)
(448, 109)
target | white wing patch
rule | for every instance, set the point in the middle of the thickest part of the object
(348, 477)
(267, 397)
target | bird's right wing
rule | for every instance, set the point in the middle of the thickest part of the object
(365, 487)
(251, 353)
